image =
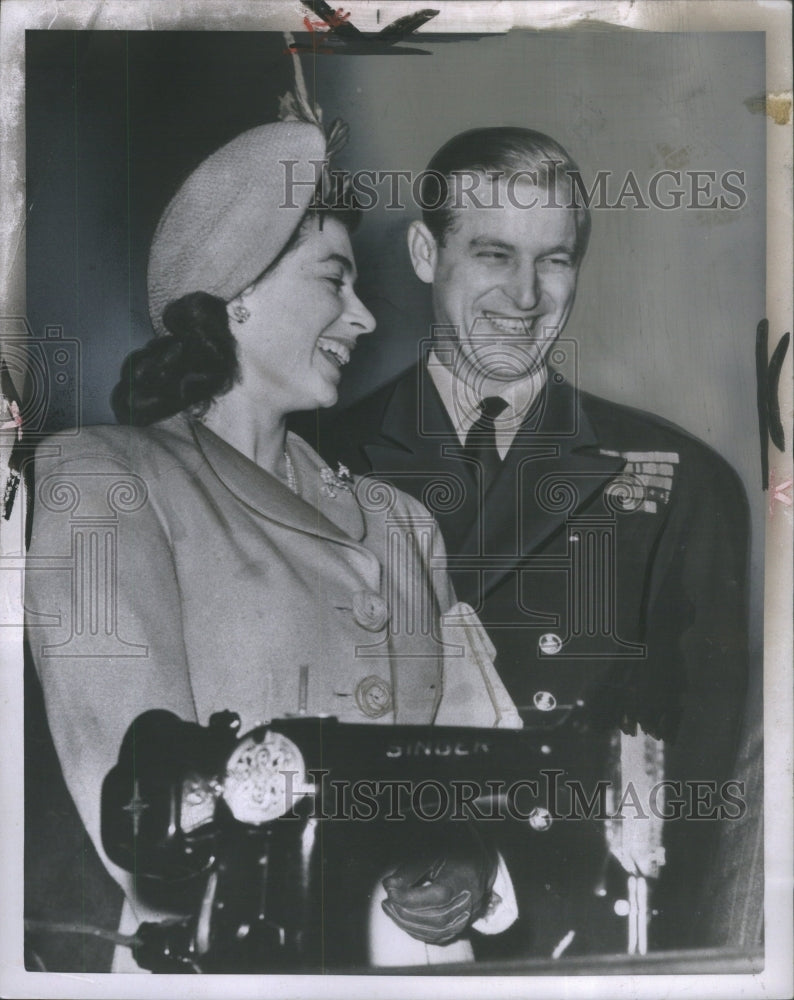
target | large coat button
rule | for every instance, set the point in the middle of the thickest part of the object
(370, 610)
(373, 697)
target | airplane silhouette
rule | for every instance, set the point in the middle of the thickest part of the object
(345, 37)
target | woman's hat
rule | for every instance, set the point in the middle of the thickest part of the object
(234, 214)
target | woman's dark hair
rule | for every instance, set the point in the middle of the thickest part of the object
(196, 362)
(186, 369)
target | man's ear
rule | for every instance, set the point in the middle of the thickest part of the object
(423, 249)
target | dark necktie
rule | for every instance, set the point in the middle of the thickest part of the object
(481, 440)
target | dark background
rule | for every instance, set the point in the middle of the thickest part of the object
(114, 122)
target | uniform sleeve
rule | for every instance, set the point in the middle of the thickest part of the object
(699, 622)
(701, 608)
(103, 615)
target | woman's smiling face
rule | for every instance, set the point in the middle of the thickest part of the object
(305, 319)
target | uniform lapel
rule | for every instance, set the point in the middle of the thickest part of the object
(414, 426)
(548, 475)
(551, 471)
(336, 518)
(418, 450)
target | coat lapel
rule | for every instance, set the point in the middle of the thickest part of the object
(553, 469)
(549, 474)
(418, 450)
(414, 424)
(337, 518)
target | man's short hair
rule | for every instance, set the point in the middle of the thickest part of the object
(500, 150)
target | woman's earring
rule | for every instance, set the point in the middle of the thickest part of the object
(240, 313)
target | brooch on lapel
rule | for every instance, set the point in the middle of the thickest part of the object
(335, 481)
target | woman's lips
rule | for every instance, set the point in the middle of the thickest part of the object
(338, 352)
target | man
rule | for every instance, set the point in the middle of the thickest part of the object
(603, 548)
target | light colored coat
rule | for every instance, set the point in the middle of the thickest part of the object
(166, 570)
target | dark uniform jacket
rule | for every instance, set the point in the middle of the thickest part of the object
(607, 560)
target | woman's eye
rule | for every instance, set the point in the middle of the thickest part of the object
(336, 281)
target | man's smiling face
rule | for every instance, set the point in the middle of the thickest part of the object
(505, 279)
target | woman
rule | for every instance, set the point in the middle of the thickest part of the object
(216, 562)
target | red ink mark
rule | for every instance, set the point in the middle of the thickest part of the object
(339, 17)
(317, 28)
(779, 492)
(334, 20)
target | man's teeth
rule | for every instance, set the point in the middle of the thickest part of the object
(338, 351)
(508, 325)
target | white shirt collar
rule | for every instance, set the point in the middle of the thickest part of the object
(462, 404)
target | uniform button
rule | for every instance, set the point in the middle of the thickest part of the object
(373, 697)
(544, 701)
(549, 644)
(370, 610)
(540, 819)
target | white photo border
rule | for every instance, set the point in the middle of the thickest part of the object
(774, 19)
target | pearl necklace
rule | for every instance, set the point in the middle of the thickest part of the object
(292, 479)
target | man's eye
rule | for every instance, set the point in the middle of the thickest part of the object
(559, 261)
(492, 254)
(336, 281)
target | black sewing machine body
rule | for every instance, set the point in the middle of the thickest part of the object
(266, 848)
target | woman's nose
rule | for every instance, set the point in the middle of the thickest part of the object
(360, 317)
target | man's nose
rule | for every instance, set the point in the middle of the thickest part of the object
(522, 288)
